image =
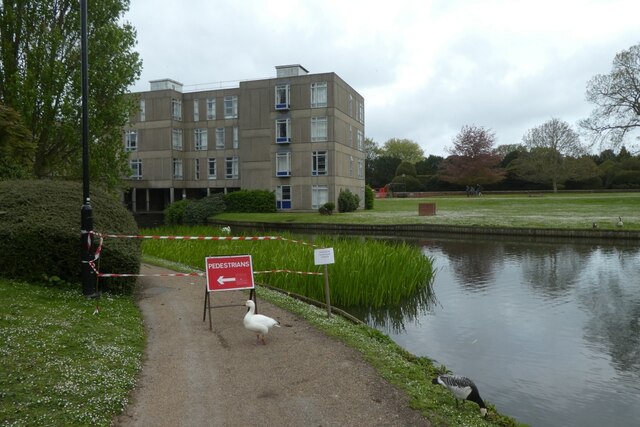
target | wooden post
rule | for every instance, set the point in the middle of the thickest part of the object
(326, 290)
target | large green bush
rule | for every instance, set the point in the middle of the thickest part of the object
(347, 201)
(256, 201)
(40, 233)
(174, 213)
(197, 211)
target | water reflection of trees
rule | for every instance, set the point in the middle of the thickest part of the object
(552, 271)
(615, 320)
(394, 318)
(473, 263)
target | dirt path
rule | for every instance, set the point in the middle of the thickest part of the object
(193, 376)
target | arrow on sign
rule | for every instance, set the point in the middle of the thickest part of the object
(222, 280)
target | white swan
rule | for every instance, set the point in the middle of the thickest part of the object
(257, 322)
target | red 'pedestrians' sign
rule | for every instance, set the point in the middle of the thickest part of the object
(229, 273)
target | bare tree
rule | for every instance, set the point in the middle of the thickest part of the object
(472, 160)
(552, 148)
(617, 99)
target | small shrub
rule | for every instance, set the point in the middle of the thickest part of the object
(174, 213)
(347, 201)
(252, 201)
(327, 208)
(369, 197)
(198, 211)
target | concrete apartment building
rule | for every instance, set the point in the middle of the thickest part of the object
(300, 135)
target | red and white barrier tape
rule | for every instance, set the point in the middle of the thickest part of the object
(151, 275)
(93, 266)
(248, 238)
(311, 273)
(92, 262)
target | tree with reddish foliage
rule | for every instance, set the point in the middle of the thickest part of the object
(472, 160)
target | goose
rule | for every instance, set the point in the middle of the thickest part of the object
(620, 223)
(226, 229)
(462, 388)
(257, 322)
(594, 225)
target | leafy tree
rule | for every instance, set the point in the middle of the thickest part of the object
(617, 99)
(551, 146)
(406, 168)
(429, 165)
(403, 149)
(371, 153)
(472, 160)
(384, 169)
(16, 147)
(40, 78)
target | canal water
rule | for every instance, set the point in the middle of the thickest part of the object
(549, 331)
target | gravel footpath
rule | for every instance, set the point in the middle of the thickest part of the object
(194, 376)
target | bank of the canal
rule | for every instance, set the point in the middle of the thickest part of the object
(426, 229)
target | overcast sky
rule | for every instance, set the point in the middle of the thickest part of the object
(425, 68)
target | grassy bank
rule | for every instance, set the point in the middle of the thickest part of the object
(571, 211)
(62, 363)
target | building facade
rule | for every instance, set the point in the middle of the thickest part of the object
(300, 135)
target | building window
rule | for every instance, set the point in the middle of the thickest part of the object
(176, 109)
(211, 109)
(213, 173)
(231, 167)
(360, 140)
(319, 196)
(200, 139)
(283, 197)
(143, 112)
(350, 136)
(350, 105)
(220, 138)
(350, 165)
(236, 139)
(318, 129)
(136, 168)
(196, 110)
(177, 168)
(196, 169)
(230, 107)
(283, 130)
(319, 163)
(283, 164)
(282, 97)
(176, 139)
(131, 141)
(361, 112)
(361, 169)
(318, 94)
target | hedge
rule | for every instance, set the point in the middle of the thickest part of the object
(40, 233)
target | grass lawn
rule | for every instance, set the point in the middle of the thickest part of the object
(61, 363)
(571, 210)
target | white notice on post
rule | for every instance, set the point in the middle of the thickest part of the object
(323, 256)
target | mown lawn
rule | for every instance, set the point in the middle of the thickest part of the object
(570, 211)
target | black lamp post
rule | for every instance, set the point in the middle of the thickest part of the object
(86, 212)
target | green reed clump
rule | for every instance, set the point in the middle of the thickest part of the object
(366, 273)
